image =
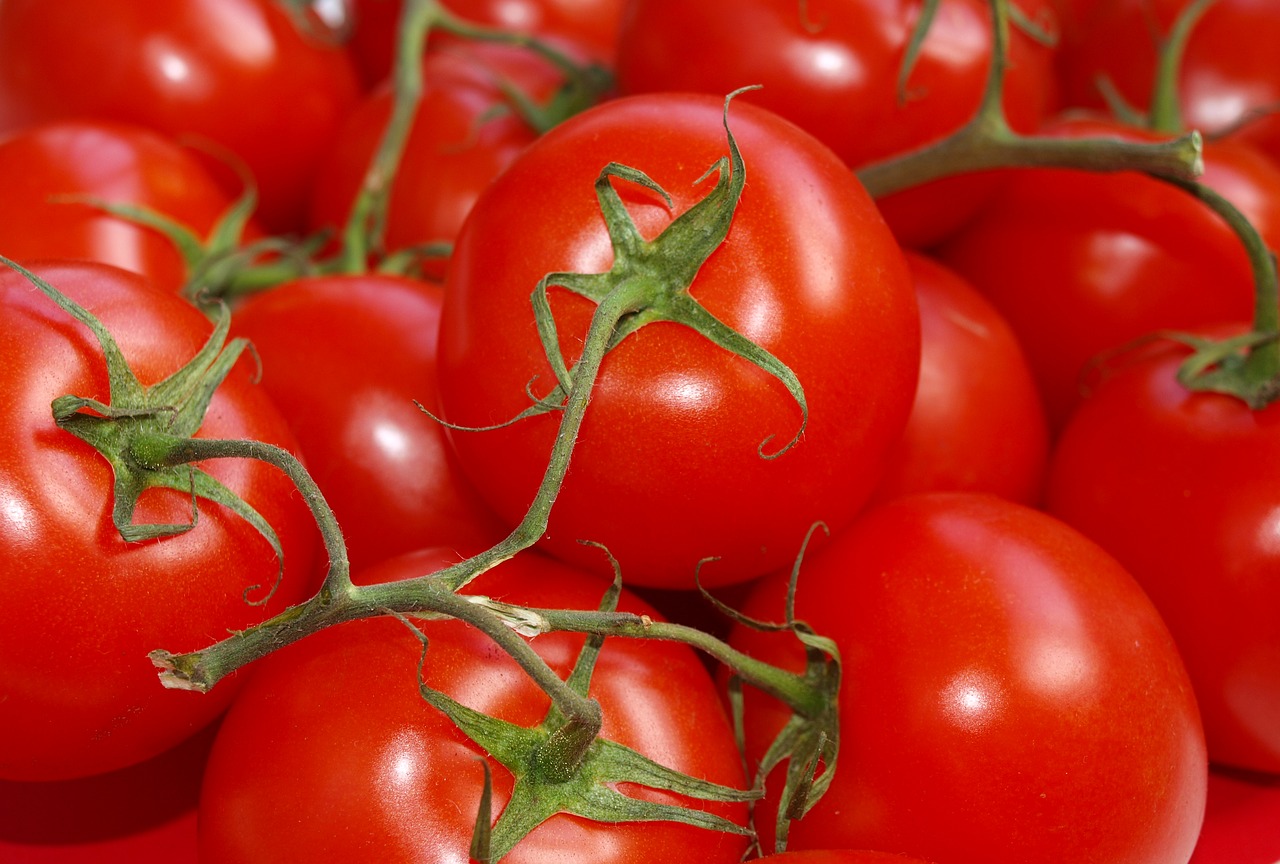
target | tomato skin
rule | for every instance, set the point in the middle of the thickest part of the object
(1009, 693)
(457, 146)
(201, 68)
(1083, 263)
(831, 67)
(334, 730)
(143, 814)
(79, 607)
(1178, 486)
(838, 856)
(115, 162)
(385, 467)
(1240, 823)
(669, 447)
(977, 424)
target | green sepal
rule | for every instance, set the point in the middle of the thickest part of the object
(140, 431)
(588, 790)
(915, 43)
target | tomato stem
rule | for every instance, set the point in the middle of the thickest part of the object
(1166, 108)
(988, 142)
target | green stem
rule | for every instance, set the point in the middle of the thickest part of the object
(987, 142)
(1166, 105)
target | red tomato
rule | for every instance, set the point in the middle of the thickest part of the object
(79, 607)
(1242, 820)
(1083, 263)
(234, 72)
(1227, 75)
(1009, 694)
(144, 814)
(837, 856)
(667, 470)
(384, 466)
(589, 24)
(831, 66)
(1179, 487)
(465, 132)
(404, 784)
(977, 424)
(114, 162)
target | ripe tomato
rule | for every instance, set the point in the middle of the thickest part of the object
(1083, 263)
(385, 468)
(667, 469)
(115, 162)
(80, 608)
(977, 424)
(333, 731)
(465, 132)
(1009, 694)
(1179, 487)
(1226, 75)
(234, 72)
(838, 856)
(143, 814)
(1240, 821)
(831, 66)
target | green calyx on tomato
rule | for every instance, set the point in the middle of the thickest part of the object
(563, 766)
(140, 427)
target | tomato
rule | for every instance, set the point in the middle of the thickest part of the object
(1009, 694)
(143, 814)
(237, 73)
(80, 608)
(1226, 76)
(831, 66)
(590, 24)
(977, 424)
(385, 467)
(115, 162)
(668, 469)
(465, 132)
(838, 856)
(1085, 263)
(1240, 824)
(1178, 486)
(333, 731)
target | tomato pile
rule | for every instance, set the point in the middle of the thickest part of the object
(813, 431)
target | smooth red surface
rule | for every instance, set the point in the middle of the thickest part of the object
(333, 732)
(667, 469)
(345, 358)
(977, 424)
(1180, 487)
(1081, 263)
(1242, 822)
(79, 607)
(831, 67)
(236, 73)
(1009, 694)
(114, 162)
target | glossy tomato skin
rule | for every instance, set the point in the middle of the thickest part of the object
(464, 133)
(115, 162)
(1080, 263)
(143, 814)
(345, 358)
(333, 730)
(1226, 73)
(831, 67)
(236, 73)
(1179, 488)
(1009, 693)
(1240, 821)
(977, 424)
(667, 471)
(79, 607)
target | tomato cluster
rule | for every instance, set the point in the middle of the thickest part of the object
(914, 360)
